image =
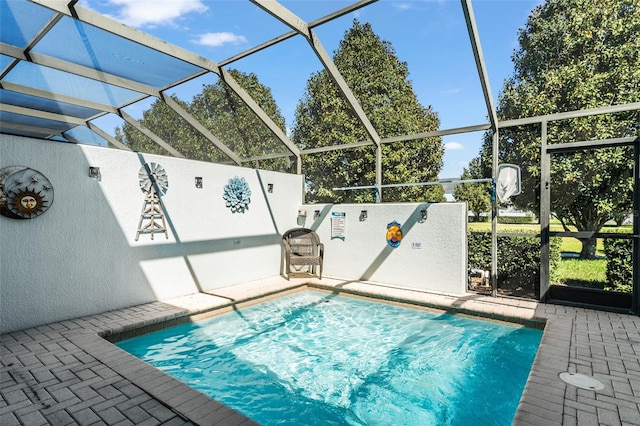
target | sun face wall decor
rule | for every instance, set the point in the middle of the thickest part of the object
(25, 193)
(237, 195)
(394, 234)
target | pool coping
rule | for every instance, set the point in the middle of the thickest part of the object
(546, 399)
(181, 397)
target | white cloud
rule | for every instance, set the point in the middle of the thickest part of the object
(402, 6)
(140, 13)
(414, 5)
(218, 39)
(453, 146)
(451, 91)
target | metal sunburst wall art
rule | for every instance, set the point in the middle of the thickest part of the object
(237, 195)
(152, 176)
(24, 193)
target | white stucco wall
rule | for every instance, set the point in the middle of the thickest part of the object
(432, 255)
(80, 257)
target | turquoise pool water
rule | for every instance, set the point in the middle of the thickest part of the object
(313, 358)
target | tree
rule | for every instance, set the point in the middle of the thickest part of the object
(575, 55)
(163, 122)
(222, 111)
(477, 195)
(323, 118)
(225, 115)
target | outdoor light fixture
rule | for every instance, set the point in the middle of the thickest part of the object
(198, 182)
(363, 215)
(94, 173)
(302, 216)
(423, 215)
(269, 187)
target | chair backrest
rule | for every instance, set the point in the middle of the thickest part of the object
(302, 241)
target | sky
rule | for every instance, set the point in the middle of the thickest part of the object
(429, 35)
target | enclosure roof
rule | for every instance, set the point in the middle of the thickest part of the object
(63, 66)
(59, 72)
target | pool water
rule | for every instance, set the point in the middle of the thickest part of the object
(314, 358)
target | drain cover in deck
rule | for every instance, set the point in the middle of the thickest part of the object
(582, 381)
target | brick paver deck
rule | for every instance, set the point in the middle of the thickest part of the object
(67, 373)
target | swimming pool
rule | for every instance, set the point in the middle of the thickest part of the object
(318, 358)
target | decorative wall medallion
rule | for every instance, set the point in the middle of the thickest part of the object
(237, 195)
(24, 193)
(394, 234)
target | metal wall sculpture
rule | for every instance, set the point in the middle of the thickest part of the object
(25, 193)
(237, 195)
(153, 181)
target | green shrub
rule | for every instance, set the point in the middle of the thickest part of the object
(515, 219)
(479, 219)
(518, 257)
(619, 264)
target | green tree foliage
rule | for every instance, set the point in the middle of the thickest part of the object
(477, 195)
(163, 122)
(225, 115)
(323, 118)
(575, 55)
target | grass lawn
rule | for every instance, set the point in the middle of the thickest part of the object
(583, 273)
(575, 272)
(535, 227)
(573, 245)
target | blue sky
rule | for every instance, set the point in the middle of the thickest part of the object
(430, 35)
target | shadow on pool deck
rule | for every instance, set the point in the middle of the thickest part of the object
(65, 373)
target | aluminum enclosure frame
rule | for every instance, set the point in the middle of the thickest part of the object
(299, 28)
